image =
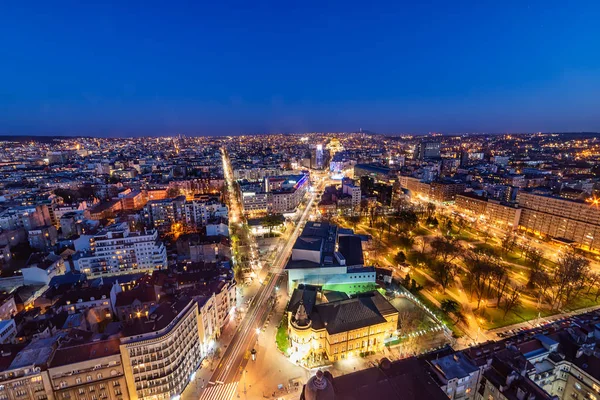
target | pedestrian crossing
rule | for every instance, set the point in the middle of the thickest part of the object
(220, 391)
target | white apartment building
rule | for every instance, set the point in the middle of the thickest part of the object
(161, 351)
(197, 213)
(118, 250)
(354, 191)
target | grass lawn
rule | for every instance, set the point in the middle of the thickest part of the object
(420, 231)
(514, 258)
(416, 257)
(351, 288)
(582, 301)
(281, 337)
(487, 246)
(491, 318)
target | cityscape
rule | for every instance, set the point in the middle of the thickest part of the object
(309, 200)
(301, 266)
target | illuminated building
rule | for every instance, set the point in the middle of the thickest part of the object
(338, 329)
(118, 249)
(161, 350)
(560, 218)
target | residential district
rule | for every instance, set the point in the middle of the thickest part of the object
(316, 266)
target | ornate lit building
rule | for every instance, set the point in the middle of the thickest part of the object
(338, 329)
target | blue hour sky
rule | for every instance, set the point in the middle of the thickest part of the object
(227, 67)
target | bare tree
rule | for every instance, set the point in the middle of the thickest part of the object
(444, 272)
(508, 243)
(445, 248)
(569, 277)
(430, 209)
(481, 266)
(502, 282)
(512, 300)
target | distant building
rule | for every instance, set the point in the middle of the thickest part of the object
(427, 149)
(42, 238)
(378, 173)
(162, 214)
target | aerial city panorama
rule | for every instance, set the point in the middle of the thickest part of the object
(300, 201)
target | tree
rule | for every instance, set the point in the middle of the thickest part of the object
(172, 192)
(481, 266)
(354, 220)
(238, 273)
(512, 300)
(486, 235)
(569, 277)
(449, 306)
(406, 281)
(407, 219)
(501, 283)
(400, 257)
(407, 322)
(460, 223)
(537, 276)
(534, 257)
(272, 220)
(414, 286)
(406, 241)
(460, 317)
(430, 209)
(593, 278)
(444, 248)
(508, 243)
(444, 272)
(432, 222)
(447, 227)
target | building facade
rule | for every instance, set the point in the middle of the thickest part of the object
(161, 351)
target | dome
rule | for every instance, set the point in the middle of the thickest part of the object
(319, 387)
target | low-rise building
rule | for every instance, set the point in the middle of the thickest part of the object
(338, 329)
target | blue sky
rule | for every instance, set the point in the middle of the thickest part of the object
(157, 68)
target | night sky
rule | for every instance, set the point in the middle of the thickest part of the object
(219, 67)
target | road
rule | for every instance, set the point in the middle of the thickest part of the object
(225, 379)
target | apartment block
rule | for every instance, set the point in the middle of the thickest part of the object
(560, 218)
(118, 249)
(161, 351)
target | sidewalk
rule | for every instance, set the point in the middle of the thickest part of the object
(271, 368)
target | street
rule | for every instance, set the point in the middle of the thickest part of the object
(226, 377)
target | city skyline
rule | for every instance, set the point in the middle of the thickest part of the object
(229, 69)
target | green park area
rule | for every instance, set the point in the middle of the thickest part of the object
(491, 278)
